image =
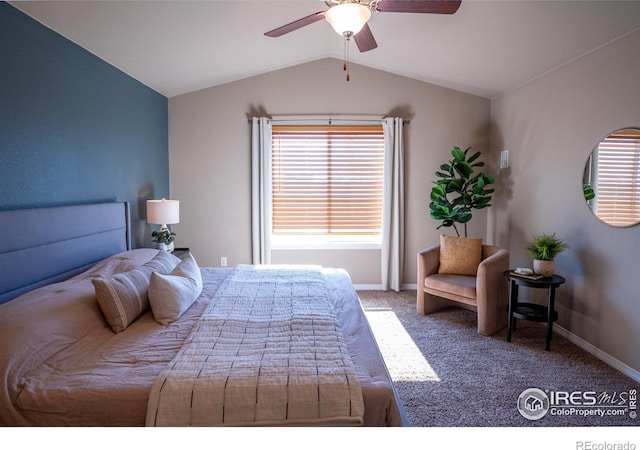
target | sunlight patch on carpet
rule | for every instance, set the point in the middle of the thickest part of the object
(404, 359)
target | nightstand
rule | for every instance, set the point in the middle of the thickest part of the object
(531, 311)
(181, 252)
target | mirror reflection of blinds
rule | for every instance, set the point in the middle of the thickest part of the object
(327, 179)
(619, 179)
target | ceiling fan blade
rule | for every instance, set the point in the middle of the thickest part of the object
(364, 39)
(288, 28)
(419, 6)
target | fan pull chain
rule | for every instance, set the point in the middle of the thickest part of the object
(345, 65)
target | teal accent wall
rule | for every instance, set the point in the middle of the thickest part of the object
(73, 128)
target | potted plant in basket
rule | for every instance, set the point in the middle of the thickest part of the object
(458, 191)
(543, 249)
(164, 239)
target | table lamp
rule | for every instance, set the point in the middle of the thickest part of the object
(163, 212)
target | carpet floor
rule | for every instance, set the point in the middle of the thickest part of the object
(449, 376)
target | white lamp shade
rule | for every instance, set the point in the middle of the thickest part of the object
(163, 211)
(348, 17)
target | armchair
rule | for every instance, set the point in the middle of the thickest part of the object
(486, 293)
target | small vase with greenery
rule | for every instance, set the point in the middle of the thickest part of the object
(164, 238)
(457, 191)
(543, 249)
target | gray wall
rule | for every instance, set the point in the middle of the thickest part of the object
(550, 126)
(209, 154)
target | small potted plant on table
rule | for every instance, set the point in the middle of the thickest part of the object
(543, 249)
(164, 239)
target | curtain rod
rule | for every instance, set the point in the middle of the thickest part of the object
(330, 120)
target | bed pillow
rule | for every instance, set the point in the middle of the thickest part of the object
(459, 255)
(120, 263)
(172, 294)
(124, 296)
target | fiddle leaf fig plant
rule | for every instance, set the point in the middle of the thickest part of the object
(457, 191)
(589, 193)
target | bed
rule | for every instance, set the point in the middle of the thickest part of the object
(257, 345)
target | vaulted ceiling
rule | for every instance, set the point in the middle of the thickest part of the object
(485, 48)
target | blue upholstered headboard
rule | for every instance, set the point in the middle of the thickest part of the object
(41, 246)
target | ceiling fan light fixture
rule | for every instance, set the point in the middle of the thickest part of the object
(348, 18)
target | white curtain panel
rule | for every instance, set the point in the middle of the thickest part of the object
(261, 190)
(392, 255)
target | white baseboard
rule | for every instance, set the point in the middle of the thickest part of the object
(601, 355)
(367, 287)
(378, 287)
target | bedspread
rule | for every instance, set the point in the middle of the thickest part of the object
(267, 350)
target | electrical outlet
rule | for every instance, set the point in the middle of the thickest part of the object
(223, 261)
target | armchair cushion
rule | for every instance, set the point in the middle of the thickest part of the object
(460, 256)
(447, 284)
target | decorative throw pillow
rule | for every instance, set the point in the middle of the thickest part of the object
(124, 296)
(460, 256)
(171, 295)
(163, 262)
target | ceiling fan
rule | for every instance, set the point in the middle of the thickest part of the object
(349, 18)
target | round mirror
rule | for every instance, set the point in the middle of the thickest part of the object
(611, 180)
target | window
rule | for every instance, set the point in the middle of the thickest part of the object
(618, 178)
(326, 184)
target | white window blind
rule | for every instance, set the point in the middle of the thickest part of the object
(327, 180)
(618, 192)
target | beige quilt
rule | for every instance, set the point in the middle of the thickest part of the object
(268, 350)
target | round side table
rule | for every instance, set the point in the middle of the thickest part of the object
(532, 311)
